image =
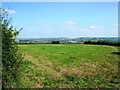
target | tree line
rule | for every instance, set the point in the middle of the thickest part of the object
(102, 42)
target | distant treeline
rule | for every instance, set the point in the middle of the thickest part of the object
(95, 42)
(100, 42)
(53, 42)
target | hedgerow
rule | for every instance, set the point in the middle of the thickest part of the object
(11, 59)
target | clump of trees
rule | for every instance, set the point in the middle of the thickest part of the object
(55, 42)
(11, 58)
(101, 42)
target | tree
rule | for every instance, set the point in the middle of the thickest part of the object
(11, 59)
(55, 42)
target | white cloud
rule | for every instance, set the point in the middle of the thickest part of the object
(96, 27)
(70, 22)
(10, 11)
(93, 27)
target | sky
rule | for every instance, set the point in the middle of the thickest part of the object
(64, 19)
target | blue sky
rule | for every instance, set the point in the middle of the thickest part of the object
(64, 19)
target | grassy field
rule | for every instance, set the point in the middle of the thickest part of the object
(69, 66)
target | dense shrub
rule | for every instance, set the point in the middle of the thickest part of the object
(11, 59)
(100, 42)
(55, 42)
(0, 59)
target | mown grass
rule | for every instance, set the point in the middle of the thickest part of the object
(69, 66)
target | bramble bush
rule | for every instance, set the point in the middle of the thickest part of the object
(11, 59)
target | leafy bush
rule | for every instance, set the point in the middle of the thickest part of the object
(0, 60)
(100, 42)
(55, 42)
(11, 59)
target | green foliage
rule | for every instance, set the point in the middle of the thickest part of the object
(102, 42)
(0, 60)
(55, 42)
(11, 59)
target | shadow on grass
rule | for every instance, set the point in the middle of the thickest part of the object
(117, 53)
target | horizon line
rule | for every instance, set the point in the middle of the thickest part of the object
(72, 37)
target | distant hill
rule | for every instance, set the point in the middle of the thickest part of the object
(68, 40)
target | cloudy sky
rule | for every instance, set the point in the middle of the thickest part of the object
(64, 19)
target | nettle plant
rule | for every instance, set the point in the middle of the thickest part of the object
(11, 59)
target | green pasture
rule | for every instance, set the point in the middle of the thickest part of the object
(69, 66)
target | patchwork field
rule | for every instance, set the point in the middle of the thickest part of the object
(69, 66)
